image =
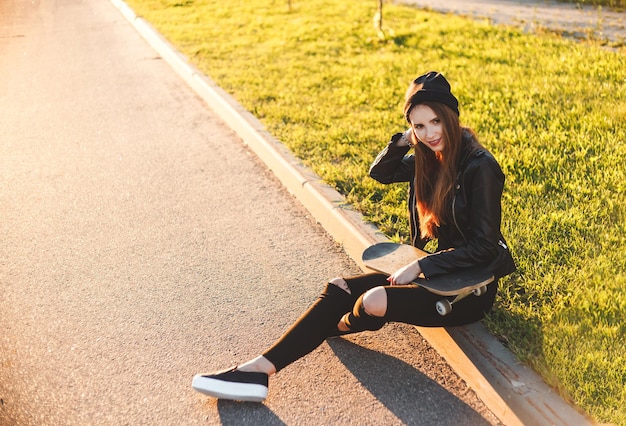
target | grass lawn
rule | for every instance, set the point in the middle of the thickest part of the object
(552, 111)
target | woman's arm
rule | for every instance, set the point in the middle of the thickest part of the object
(392, 164)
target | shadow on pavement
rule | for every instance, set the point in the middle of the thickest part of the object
(232, 413)
(406, 392)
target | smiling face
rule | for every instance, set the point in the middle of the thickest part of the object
(427, 127)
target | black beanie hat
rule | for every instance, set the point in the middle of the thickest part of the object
(434, 87)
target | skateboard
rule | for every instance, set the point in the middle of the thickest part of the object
(389, 257)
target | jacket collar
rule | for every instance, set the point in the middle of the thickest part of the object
(468, 151)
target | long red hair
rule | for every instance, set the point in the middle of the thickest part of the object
(436, 172)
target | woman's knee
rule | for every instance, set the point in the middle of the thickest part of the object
(375, 302)
(367, 315)
(341, 283)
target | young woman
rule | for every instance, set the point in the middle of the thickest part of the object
(454, 197)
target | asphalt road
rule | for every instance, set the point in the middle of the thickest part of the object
(141, 243)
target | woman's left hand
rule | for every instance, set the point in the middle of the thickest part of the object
(406, 274)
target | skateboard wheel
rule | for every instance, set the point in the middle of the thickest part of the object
(444, 307)
(480, 290)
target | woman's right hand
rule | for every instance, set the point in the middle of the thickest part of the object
(406, 275)
(406, 139)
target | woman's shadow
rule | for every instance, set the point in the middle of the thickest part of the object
(234, 413)
(410, 395)
(405, 391)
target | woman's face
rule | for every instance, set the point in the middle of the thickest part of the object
(427, 127)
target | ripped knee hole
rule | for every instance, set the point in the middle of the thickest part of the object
(341, 283)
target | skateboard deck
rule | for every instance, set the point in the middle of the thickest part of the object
(389, 257)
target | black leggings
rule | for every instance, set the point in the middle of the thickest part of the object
(408, 304)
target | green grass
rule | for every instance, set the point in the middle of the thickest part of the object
(552, 111)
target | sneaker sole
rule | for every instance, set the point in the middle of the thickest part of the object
(229, 390)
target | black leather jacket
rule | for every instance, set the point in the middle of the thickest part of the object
(474, 238)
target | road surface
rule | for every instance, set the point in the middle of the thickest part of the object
(141, 243)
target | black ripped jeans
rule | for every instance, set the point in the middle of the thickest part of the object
(408, 304)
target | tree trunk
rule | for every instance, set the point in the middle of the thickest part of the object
(378, 19)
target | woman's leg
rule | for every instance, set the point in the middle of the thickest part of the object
(321, 319)
(364, 303)
(375, 305)
(415, 305)
(249, 382)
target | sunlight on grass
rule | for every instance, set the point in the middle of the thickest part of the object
(552, 111)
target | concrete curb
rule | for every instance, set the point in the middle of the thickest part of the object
(514, 393)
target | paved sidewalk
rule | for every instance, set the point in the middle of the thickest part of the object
(573, 20)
